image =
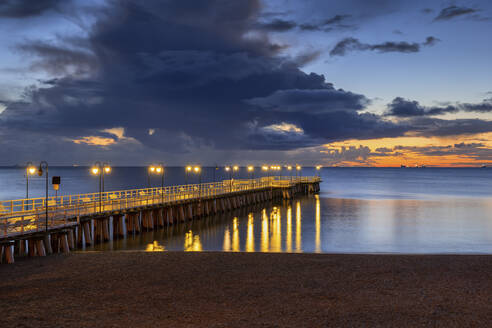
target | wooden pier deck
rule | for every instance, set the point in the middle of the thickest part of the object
(40, 226)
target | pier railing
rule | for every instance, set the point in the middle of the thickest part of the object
(29, 215)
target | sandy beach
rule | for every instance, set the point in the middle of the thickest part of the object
(177, 289)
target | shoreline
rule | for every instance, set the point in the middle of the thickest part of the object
(282, 252)
(219, 289)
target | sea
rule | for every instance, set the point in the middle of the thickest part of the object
(359, 210)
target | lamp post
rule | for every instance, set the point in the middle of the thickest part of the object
(150, 171)
(198, 170)
(159, 169)
(235, 168)
(265, 168)
(251, 171)
(30, 170)
(100, 169)
(318, 167)
(43, 168)
(298, 169)
(106, 169)
(228, 169)
(96, 170)
(289, 168)
(188, 169)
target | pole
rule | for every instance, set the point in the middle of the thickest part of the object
(45, 164)
(100, 191)
(200, 184)
(27, 184)
(162, 186)
(46, 198)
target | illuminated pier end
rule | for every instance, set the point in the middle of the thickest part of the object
(41, 226)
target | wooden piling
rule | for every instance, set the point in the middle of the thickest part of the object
(71, 238)
(87, 233)
(40, 250)
(31, 247)
(7, 251)
(47, 244)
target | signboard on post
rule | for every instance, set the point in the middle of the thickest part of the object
(55, 181)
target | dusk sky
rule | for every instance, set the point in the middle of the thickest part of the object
(353, 82)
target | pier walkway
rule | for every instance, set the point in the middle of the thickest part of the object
(36, 226)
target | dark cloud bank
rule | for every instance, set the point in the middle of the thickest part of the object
(182, 76)
(337, 22)
(26, 8)
(352, 44)
(453, 12)
(401, 107)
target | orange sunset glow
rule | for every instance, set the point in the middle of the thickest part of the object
(469, 151)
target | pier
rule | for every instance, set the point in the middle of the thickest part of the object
(42, 226)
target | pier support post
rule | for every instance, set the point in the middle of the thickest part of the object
(64, 243)
(170, 215)
(181, 213)
(40, 250)
(87, 232)
(7, 252)
(71, 238)
(47, 243)
(105, 229)
(118, 226)
(189, 208)
(214, 205)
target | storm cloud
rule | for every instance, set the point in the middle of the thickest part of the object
(172, 77)
(453, 12)
(401, 107)
(347, 45)
(337, 22)
(26, 8)
(191, 84)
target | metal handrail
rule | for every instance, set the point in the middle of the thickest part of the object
(21, 215)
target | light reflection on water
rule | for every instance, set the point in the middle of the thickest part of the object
(328, 225)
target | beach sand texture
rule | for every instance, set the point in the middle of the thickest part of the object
(178, 289)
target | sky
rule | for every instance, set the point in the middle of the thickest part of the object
(335, 83)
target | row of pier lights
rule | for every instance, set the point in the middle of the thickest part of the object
(101, 169)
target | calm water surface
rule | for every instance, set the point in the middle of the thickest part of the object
(359, 210)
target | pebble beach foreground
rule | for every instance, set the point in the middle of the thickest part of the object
(177, 289)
